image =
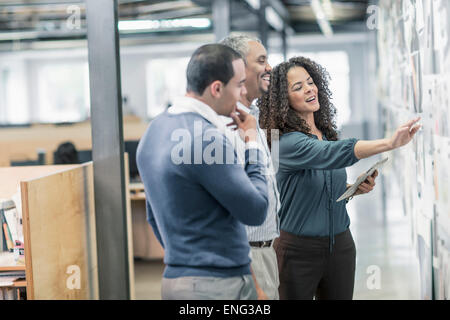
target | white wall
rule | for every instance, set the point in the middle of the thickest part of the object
(133, 70)
(134, 63)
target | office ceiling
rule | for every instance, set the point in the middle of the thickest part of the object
(38, 20)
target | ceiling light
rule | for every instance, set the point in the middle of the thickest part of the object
(328, 9)
(321, 17)
(274, 19)
(136, 25)
(255, 4)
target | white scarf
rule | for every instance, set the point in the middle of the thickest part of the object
(188, 104)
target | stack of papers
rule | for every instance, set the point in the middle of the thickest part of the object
(7, 278)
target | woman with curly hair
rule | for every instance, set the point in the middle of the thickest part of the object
(316, 252)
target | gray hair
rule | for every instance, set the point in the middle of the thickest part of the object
(239, 43)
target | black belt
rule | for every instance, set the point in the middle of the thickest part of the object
(260, 244)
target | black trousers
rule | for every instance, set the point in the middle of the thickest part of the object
(309, 270)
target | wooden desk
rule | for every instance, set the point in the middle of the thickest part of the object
(145, 243)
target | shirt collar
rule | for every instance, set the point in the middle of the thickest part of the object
(189, 104)
(246, 109)
(240, 105)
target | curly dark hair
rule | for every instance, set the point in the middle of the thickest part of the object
(276, 113)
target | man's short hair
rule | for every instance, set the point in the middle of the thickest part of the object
(239, 43)
(209, 63)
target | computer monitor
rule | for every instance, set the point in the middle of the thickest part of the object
(24, 163)
(131, 147)
(20, 125)
(84, 156)
(30, 162)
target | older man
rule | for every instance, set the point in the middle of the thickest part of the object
(264, 261)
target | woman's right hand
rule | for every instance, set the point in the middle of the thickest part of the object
(404, 134)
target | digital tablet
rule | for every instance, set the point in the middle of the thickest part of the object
(352, 189)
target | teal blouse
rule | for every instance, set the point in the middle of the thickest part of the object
(311, 177)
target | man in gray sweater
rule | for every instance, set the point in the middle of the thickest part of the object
(198, 196)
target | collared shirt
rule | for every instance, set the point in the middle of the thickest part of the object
(311, 177)
(270, 229)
